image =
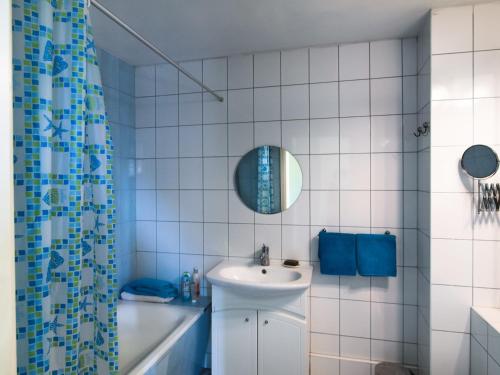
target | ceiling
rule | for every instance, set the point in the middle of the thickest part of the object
(190, 29)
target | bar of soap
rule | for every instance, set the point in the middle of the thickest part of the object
(291, 263)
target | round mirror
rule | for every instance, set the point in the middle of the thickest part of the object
(268, 179)
(480, 161)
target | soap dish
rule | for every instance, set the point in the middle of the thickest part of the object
(291, 263)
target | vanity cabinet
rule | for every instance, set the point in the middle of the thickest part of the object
(259, 335)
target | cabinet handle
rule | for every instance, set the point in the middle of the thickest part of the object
(266, 322)
(246, 319)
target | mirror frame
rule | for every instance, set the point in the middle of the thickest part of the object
(492, 151)
(236, 184)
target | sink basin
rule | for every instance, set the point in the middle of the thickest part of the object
(258, 280)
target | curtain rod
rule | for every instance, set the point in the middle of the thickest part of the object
(151, 46)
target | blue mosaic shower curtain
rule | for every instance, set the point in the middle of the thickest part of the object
(64, 203)
(266, 202)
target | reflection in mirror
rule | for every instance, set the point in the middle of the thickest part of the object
(480, 161)
(268, 179)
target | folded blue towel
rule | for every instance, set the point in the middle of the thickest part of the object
(150, 287)
(376, 254)
(337, 253)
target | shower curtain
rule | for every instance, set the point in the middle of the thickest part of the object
(64, 203)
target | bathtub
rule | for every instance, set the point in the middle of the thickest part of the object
(162, 339)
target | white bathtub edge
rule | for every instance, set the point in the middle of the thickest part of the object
(152, 358)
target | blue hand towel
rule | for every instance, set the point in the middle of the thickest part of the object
(376, 254)
(337, 253)
(150, 287)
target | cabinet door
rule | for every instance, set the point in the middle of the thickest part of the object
(234, 342)
(281, 344)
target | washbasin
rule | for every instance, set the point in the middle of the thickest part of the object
(252, 278)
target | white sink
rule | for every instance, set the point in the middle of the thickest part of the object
(254, 279)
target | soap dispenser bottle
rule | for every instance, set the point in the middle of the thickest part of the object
(195, 292)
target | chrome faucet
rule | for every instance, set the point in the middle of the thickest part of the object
(264, 255)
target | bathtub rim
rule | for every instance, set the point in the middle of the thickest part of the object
(151, 359)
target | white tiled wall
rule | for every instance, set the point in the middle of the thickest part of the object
(465, 110)
(118, 83)
(347, 113)
(485, 342)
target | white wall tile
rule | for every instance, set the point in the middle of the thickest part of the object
(145, 80)
(186, 85)
(145, 143)
(325, 344)
(325, 366)
(295, 102)
(146, 264)
(386, 96)
(355, 288)
(191, 238)
(410, 56)
(266, 69)
(190, 173)
(354, 347)
(167, 174)
(325, 208)
(324, 136)
(450, 353)
(354, 208)
(215, 239)
(451, 179)
(145, 112)
(167, 267)
(485, 264)
(295, 242)
(487, 74)
(410, 142)
(452, 76)
(324, 285)
(167, 237)
(238, 212)
(451, 215)
(354, 61)
(354, 98)
(267, 104)
(167, 79)
(191, 205)
(190, 141)
(167, 142)
(324, 315)
(215, 140)
(385, 58)
(215, 173)
(355, 171)
(451, 308)
(387, 350)
(145, 171)
(410, 94)
(453, 120)
(240, 71)
(387, 321)
(145, 205)
(387, 209)
(267, 133)
(145, 236)
(388, 289)
(451, 29)
(324, 172)
(486, 27)
(386, 133)
(270, 235)
(241, 240)
(295, 136)
(240, 138)
(324, 101)
(355, 135)
(324, 64)
(240, 105)
(387, 171)
(215, 73)
(295, 66)
(167, 109)
(354, 318)
(167, 205)
(214, 111)
(215, 206)
(298, 213)
(190, 109)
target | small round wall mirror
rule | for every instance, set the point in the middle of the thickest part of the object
(480, 161)
(268, 179)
